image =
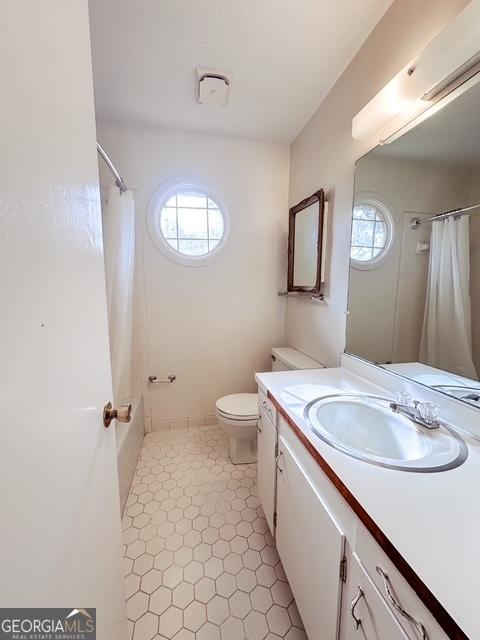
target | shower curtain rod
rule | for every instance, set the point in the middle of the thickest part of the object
(119, 181)
(456, 213)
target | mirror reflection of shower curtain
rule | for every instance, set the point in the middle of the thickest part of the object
(447, 327)
(119, 247)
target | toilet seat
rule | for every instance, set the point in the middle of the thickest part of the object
(238, 416)
(241, 407)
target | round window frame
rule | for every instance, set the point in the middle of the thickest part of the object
(154, 209)
(386, 211)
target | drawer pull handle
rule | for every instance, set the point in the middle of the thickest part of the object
(259, 428)
(356, 621)
(398, 607)
(267, 408)
(277, 459)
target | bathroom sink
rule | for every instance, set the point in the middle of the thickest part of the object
(365, 427)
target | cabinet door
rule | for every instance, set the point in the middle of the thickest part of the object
(365, 614)
(266, 471)
(311, 547)
(375, 563)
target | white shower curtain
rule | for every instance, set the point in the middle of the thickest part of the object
(447, 334)
(119, 247)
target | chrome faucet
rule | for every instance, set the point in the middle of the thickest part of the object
(422, 413)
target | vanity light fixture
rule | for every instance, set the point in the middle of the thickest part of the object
(449, 60)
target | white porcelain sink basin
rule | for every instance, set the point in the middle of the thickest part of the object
(366, 428)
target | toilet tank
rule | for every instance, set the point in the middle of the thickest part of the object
(285, 358)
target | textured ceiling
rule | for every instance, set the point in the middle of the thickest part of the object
(285, 55)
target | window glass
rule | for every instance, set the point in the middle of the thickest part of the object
(371, 232)
(192, 223)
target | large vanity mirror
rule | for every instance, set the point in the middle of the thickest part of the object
(414, 295)
(305, 245)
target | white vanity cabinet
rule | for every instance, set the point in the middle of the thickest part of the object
(365, 614)
(267, 451)
(410, 612)
(311, 546)
(325, 549)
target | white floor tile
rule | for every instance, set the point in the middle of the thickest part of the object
(200, 562)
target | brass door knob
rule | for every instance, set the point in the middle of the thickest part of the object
(122, 414)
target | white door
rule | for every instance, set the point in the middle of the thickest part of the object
(266, 472)
(60, 529)
(311, 546)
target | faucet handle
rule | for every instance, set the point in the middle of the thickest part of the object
(428, 412)
(403, 398)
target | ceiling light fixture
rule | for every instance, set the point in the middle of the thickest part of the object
(449, 60)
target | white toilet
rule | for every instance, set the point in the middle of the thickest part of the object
(238, 412)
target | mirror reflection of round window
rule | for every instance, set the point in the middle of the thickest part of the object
(372, 233)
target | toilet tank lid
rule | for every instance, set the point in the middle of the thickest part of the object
(244, 405)
(294, 359)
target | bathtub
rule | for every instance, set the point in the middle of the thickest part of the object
(129, 437)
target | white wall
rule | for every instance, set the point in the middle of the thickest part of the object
(324, 154)
(212, 326)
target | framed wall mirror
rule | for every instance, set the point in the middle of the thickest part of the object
(414, 294)
(305, 245)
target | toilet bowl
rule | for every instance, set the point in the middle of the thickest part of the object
(238, 412)
(238, 415)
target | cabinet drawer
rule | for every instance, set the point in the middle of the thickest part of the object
(386, 576)
(267, 407)
(365, 614)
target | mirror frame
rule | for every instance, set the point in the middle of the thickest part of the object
(318, 196)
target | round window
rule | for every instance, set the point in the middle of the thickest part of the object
(372, 233)
(188, 224)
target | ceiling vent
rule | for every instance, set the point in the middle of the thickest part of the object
(212, 87)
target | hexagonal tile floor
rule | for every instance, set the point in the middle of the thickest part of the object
(200, 562)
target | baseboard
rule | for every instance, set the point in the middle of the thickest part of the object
(190, 422)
